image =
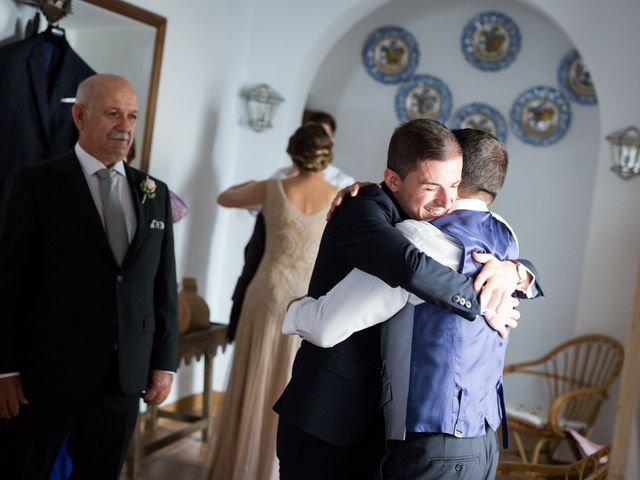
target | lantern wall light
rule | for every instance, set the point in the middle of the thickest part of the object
(262, 103)
(625, 151)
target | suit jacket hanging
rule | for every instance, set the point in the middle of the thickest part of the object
(35, 100)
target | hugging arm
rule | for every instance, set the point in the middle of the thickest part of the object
(357, 302)
(245, 195)
(361, 300)
(368, 240)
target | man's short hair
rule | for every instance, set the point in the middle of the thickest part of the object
(419, 140)
(321, 117)
(485, 161)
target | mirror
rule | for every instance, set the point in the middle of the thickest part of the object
(117, 37)
(110, 36)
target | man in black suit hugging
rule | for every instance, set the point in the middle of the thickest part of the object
(330, 423)
(88, 296)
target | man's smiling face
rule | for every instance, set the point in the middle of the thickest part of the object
(428, 191)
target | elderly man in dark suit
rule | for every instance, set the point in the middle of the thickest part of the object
(88, 289)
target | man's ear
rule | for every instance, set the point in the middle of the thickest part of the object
(392, 179)
(79, 113)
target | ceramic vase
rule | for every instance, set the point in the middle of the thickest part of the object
(184, 314)
(197, 305)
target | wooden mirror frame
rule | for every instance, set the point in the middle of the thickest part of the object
(159, 23)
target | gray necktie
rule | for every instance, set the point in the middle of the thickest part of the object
(113, 214)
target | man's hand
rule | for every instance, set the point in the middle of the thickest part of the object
(497, 280)
(11, 396)
(159, 387)
(505, 317)
(351, 190)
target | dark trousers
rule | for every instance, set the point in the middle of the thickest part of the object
(99, 426)
(439, 456)
(303, 456)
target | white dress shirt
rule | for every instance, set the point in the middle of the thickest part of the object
(361, 300)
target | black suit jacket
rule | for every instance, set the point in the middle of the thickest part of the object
(65, 300)
(253, 252)
(334, 393)
(35, 124)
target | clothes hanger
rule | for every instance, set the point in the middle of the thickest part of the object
(33, 25)
(53, 11)
(54, 33)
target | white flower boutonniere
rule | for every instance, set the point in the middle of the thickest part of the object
(148, 187)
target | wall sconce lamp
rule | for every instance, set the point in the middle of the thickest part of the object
(262, 103)
(625, 151)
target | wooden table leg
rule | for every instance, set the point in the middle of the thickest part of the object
(151, 418)
(133, 453)
(206, 396)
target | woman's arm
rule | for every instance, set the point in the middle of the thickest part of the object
(244, 195)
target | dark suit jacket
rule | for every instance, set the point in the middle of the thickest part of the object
(65, 300)
(253, 252)
(35, 124)
(334, 393)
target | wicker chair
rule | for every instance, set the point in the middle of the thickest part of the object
(593, 467)
(578, 374)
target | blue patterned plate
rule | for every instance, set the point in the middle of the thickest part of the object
(481, 116)
(491, 41)
(390, 55)
(424, 96)
(540, 116)
(575, 79)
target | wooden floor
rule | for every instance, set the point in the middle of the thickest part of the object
(182, 460)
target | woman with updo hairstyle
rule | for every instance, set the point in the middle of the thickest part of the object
(294, 211)
(310, 148)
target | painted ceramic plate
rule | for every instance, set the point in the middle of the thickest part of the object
(491, 41)
(391, 55)
(481, 116)
(424, 96)
(575, 79)
(541, 116)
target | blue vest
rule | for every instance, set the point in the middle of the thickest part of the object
(443, 372)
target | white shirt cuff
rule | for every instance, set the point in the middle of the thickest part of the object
(529, 291)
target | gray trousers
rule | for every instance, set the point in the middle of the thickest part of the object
(439, 456)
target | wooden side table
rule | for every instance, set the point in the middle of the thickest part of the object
(199, 343)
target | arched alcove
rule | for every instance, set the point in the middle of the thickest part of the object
(547, 196)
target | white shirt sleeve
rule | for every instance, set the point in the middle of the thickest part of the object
(357, 302)
(361, 300)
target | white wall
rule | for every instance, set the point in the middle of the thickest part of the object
(214, 48)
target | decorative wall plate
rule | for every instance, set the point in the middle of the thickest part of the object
(575, 79)
(424, 96)
(390, 55)
(481, 116)
(540, 116)
(491, 41)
